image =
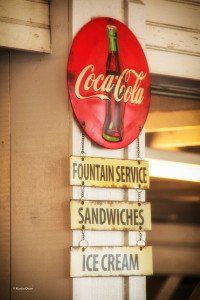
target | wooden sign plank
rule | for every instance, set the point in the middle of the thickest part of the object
(110, 215)
(110, 261)
(104, 172)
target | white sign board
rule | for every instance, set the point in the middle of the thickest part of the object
(110, 215)
(109, 172)
(111, 261)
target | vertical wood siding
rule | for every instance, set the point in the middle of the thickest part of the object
(4, 177)
(40, 236)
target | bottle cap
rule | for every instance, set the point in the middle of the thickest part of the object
(112, 30)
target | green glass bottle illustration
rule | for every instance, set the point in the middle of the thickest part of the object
(113, 125)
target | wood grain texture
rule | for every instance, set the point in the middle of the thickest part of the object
(40, 194)
(173, 38)
(27, 11)
(4, 177)
(25, 25)
(165, 12)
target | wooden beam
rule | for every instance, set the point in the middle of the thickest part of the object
(175, 128)
(171, 104)
(172, 165)
(184, 157)
(179, 138)
(158, 121)
(168, 288)
(175, 87)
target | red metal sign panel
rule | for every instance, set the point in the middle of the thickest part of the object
(108, 82)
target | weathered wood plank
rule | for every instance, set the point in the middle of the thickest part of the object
(110, 261)
(27, 12)
(110, 215)
(109, 172)
(185, 15)
(172, 42)
(22, 37)
(167, 63)
(24, 25)
(163, 38)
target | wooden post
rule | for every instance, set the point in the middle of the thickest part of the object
(111, 287)
(136, 22)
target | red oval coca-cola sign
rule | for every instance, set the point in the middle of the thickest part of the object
(108, 82)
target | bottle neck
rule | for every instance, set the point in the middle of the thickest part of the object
(113, 44)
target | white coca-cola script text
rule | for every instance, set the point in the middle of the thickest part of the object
(100, 86)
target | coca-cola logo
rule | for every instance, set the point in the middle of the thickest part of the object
(105, 84)
(108, 83)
